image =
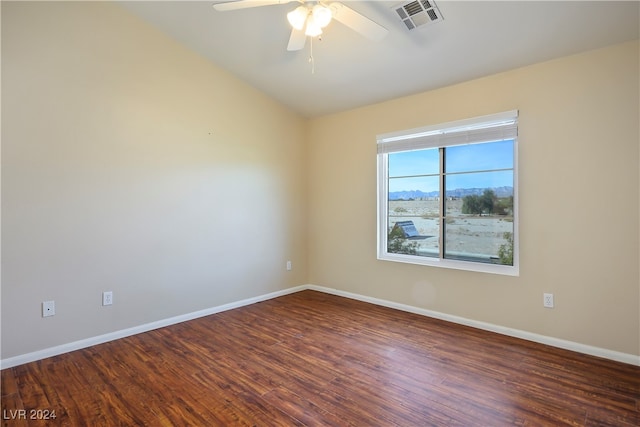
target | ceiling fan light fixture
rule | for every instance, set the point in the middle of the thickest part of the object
(321, 15)
(298, 17)
(313, 27)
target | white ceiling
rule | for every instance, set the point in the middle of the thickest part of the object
(475, 39)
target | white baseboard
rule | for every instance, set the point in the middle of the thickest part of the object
(77, 345)
(555, 342)
(529, 336)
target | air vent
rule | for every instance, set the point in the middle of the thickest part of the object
(418, 13)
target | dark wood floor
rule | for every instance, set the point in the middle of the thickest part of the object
(321, 360)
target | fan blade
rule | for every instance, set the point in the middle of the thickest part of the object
(245, 4)
(357, 22)
(297, 40)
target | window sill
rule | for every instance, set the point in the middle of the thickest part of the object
(506, 270)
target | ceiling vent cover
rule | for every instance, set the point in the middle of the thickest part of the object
(417, 13)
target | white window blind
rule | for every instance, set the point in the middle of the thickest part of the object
(494, 127)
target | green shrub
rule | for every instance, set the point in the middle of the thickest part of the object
(397, 243)
(505, 252)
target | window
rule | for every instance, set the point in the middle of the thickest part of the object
(447, 195)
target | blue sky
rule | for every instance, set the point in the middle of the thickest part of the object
(461, 158)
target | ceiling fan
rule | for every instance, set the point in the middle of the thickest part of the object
(310, 17)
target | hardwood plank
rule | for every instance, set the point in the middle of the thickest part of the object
(313, 359)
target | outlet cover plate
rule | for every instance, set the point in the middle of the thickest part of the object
(107, 298)
(48, 308)
(547, 300)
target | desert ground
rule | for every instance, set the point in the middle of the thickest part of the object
(465, 234)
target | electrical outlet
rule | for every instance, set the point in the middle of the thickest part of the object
(48, 308)
(107, 298)
(289, 266)
(547, 300)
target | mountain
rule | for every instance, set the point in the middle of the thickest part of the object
(458, 193)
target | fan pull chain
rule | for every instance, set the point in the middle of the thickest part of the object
(311, 60)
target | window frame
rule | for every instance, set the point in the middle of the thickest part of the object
(503, 126)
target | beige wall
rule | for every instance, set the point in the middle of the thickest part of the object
(131, 164)
(579, 229)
